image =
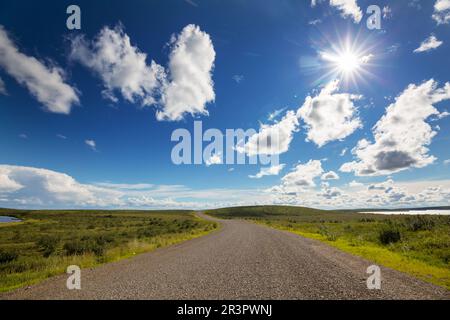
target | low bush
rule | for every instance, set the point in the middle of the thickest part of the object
(389, 235)
(48, 245)
(7, 256)
(80, 247)
(419, 223)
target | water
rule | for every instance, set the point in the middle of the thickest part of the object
(5, 219)
(413, 212)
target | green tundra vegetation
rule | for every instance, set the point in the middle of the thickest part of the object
(418, 245)
(45, 243)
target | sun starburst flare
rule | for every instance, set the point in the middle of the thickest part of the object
(350, 61)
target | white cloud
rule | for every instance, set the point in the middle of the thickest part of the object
(6, 183)
(91, 144)
(270, 171)
(26, 187)
(39, 186)
(330, 193)
(331, 175)
(302, 176)
(45, 83)
(387, 194)
(442, 11)
(330, 116)
(272, 139)
(428, 44)
(446, 162)
(366, 59)
(213, 160)
(343, 152)
(402, 135)
(190, 86)
(387, 12)
(348, 8)
(315, 22)
(120, 65)
(274, 115)
(355, 184)
(184, 88)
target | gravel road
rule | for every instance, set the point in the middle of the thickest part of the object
(240, 261)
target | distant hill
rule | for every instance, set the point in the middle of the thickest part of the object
(264, 211)
(290, 211)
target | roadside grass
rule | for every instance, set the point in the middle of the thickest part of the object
(417, 245)
(47, 242)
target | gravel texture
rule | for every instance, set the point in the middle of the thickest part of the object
(240, 261)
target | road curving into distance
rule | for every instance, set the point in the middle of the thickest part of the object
(240, 261)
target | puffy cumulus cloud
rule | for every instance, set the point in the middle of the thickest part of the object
(28, 187)
(120, 65)
(301, 177)
(44, 82)
(190, 86)
(428, 44)
(35, 186)
(402, 135)
(184, 88)
(386, 185)
(272, 139)
(270, 171)
(348, 8)
(331, 175)
(6, 183)
(442, 11)
(330, 116)
(387, 194)
(330, 193)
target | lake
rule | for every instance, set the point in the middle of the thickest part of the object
(5, 219)
(413, 212)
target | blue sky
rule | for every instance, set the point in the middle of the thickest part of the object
(78, 130)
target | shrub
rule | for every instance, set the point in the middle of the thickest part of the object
(78, 247)
(418, 223)
(7, 256)
(47, 245)
(327, 233)
(388, 236)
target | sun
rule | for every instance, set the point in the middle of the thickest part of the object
(349, 59)
(348, 62)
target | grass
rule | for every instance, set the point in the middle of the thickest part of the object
(46, 242)
(417, 245)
